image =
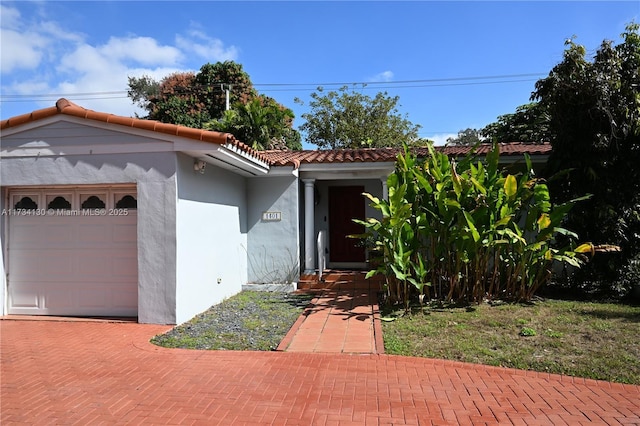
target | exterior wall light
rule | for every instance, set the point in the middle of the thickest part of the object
(199, 165)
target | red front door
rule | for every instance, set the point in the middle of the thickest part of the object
(345, 203)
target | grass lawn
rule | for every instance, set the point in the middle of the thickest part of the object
(250, 320)
(591, 340)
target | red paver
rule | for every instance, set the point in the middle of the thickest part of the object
(55, 372)
(337, 322)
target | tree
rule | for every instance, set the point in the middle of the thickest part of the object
(529, 124)
(262, 123)
(192, 99)
(349, 119)
(466, 137)
(199, 100)
(594, 122)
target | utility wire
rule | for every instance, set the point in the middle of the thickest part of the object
(273, 87)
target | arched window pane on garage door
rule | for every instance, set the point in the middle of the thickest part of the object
(26, 203)
(127, 202)
(59, 203)
(93, 202)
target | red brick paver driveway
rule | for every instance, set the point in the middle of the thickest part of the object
(107, 373)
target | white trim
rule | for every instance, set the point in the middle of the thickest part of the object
(345, 166)
(157, 142)
(346, 171)
(283, 171)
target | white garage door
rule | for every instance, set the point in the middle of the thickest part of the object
(73, 252)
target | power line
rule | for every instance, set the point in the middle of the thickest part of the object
(431, 80)
(376, 85)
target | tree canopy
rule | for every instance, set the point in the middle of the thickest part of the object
(529, 124)
(199, 100)
(594, 123)
(466, 137)
(349, 119)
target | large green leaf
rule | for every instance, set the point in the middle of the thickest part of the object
(472, 227)
(510, 186)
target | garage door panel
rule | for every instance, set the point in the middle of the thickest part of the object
(125, 299)
(59, 296)
(93, 265)
(38, 265)
(73, 264)
(94, 298)
(57, 266)
(124, 267)
(26, 297)
(56, 235)
(23, 233)
(124, 233)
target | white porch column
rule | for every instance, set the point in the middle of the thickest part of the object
(309, 226)
(385, 188)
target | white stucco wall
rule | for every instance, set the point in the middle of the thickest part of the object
(274, 246)
(65, 154)
(211, 237)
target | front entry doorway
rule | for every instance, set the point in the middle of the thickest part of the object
(345, 204)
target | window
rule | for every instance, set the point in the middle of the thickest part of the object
(26, 203)
(93, 202)
(59, 203)
(126, 202)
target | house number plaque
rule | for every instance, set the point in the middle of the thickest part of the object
(271, 216)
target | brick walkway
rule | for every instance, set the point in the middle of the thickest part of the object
(338, 322)
(58, 372)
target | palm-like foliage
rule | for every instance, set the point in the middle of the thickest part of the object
(467, 231)
(261, 123)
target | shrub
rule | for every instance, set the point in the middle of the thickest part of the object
(464, 231)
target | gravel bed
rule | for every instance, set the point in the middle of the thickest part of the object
(250, 320)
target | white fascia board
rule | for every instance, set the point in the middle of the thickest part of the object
(329, 171)
(235, 149)
(232, 160)
(283, 171)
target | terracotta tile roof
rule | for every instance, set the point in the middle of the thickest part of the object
(372, 155)
(274, 158)
(508, 148)
(63, 106)
(365, 155)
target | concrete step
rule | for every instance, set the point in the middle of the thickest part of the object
(340, 280)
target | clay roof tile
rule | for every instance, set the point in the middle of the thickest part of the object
(64, 106)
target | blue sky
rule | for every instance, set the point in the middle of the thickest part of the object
(453, 64)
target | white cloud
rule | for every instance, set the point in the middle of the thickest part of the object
(383, 76)
(20, 50)
(10, 17)
(208, 48)
(41, 56)
(143, 50)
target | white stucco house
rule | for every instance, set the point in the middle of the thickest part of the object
(104, 215)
